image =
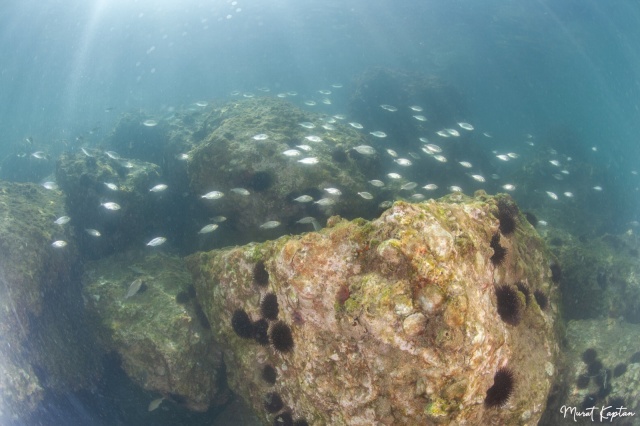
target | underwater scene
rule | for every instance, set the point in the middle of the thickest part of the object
(251, 212)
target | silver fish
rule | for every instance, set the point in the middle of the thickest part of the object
(62, 220)
(111, 186)
(109, 205)
(378, 134)
(355, 125)
(403, 162)
(305, 220)
(465, 126)
(153, 405)
(150, 123)
(156, 241)
(466, 164)
(420, 117)
(508, 187)
(409, 186)
(270, 224)
(453, 132)
(309, 160)
(333, 191)
(218, 219)
(113, 155)
(93, 232)
(50, 185)
(365, 150)
(303, 199)
(416, 108)
(40, 155)
(159, 188)
(134, 287)
(304, 147)
(313, 138)
(366, 195)
(430, 186)
(213, 195)
(208, 228)
(59, 244)
(291, 153)
(261, 137)
(376, 182)
(440, 158)
(241, 191)
(310, 103)
(390, 108)
(325, 202)
(394, 175)
(552, 195)
(479, 178)
(454, 188)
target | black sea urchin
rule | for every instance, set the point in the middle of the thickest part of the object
(281, 337)
(242, 324)
(260, 274)
(507, 213)
(502, 389)
(269, 374)
(589, 356)
(619, 369)
(531, 218)
(541, 299)
(509, 304)
(272, 402)
(269, 306)
(260, 329)
(582, 381)
(283, 419)
(499, 252)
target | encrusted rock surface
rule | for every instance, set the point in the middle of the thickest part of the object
(159, 332)
(394, 321)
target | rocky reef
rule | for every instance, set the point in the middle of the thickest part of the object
(408, 319)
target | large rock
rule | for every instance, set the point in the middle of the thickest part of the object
(159, 331)
(394, 321)
(42, 327)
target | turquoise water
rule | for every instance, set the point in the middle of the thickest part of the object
(552, 80)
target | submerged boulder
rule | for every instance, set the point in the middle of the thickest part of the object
(144, 310)
(426, 315)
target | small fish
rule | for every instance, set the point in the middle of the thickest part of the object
(404, 162)
(113, 155)
(324, 92)
(597, 188)
(568, 194)
(59, 244)
(270, 224)
(424, 140)
(415, 108)
(111, 186)
(478, 178)
(465, 164)
(487, 135)
(202, 104)
(454, 188)
(50, 185)
(333, 191)
(408, 186)
(503, 157)
(394, 175)
(465, 126)
(440, 158)
(376, 182)
(340, 117)
(241, 191)
(281, 95)
(182, 156)
(304, 147)
(156, 241)
(110, 205)
(159, 188)
(390, 108)
(150, 123)
(260, 137)
(310, 103)
(309, 160)
(134, 288)
(86, 152)
(336, 85)
(213, 195)
(313, 138)
(564, 172)
(392, 153)
(326, 101)
(62, 220)
(218, 219)
(453, 132)
(291, 153)
(355, 125)
(40, 155)
(292, 93)
(303, 199)
(554, 163)
(443, 134)
(378, 134)
(307, 125)
(430, 186)
(365, 150)
(417, 197)
(512, 155)
(305, 220)
(385, 204)
(542, 223)
(93, 232)
(433, 148)
(328, 127)
(208, 228)
(325, 202)
(365, 195)
(420, 117)
(508, 187)
(552, 195)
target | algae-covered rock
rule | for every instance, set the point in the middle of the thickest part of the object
(41, 322)
(145, 311)
(601, 369)
(394, 321)
(246, 151)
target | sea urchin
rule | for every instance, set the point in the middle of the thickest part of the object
(499, 252)
(509, 304)
(502, 389)
(507, 213)
(269, 306)
(260, 274)
(281, 337)
(242, 324)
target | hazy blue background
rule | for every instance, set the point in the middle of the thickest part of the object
(524, 66)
